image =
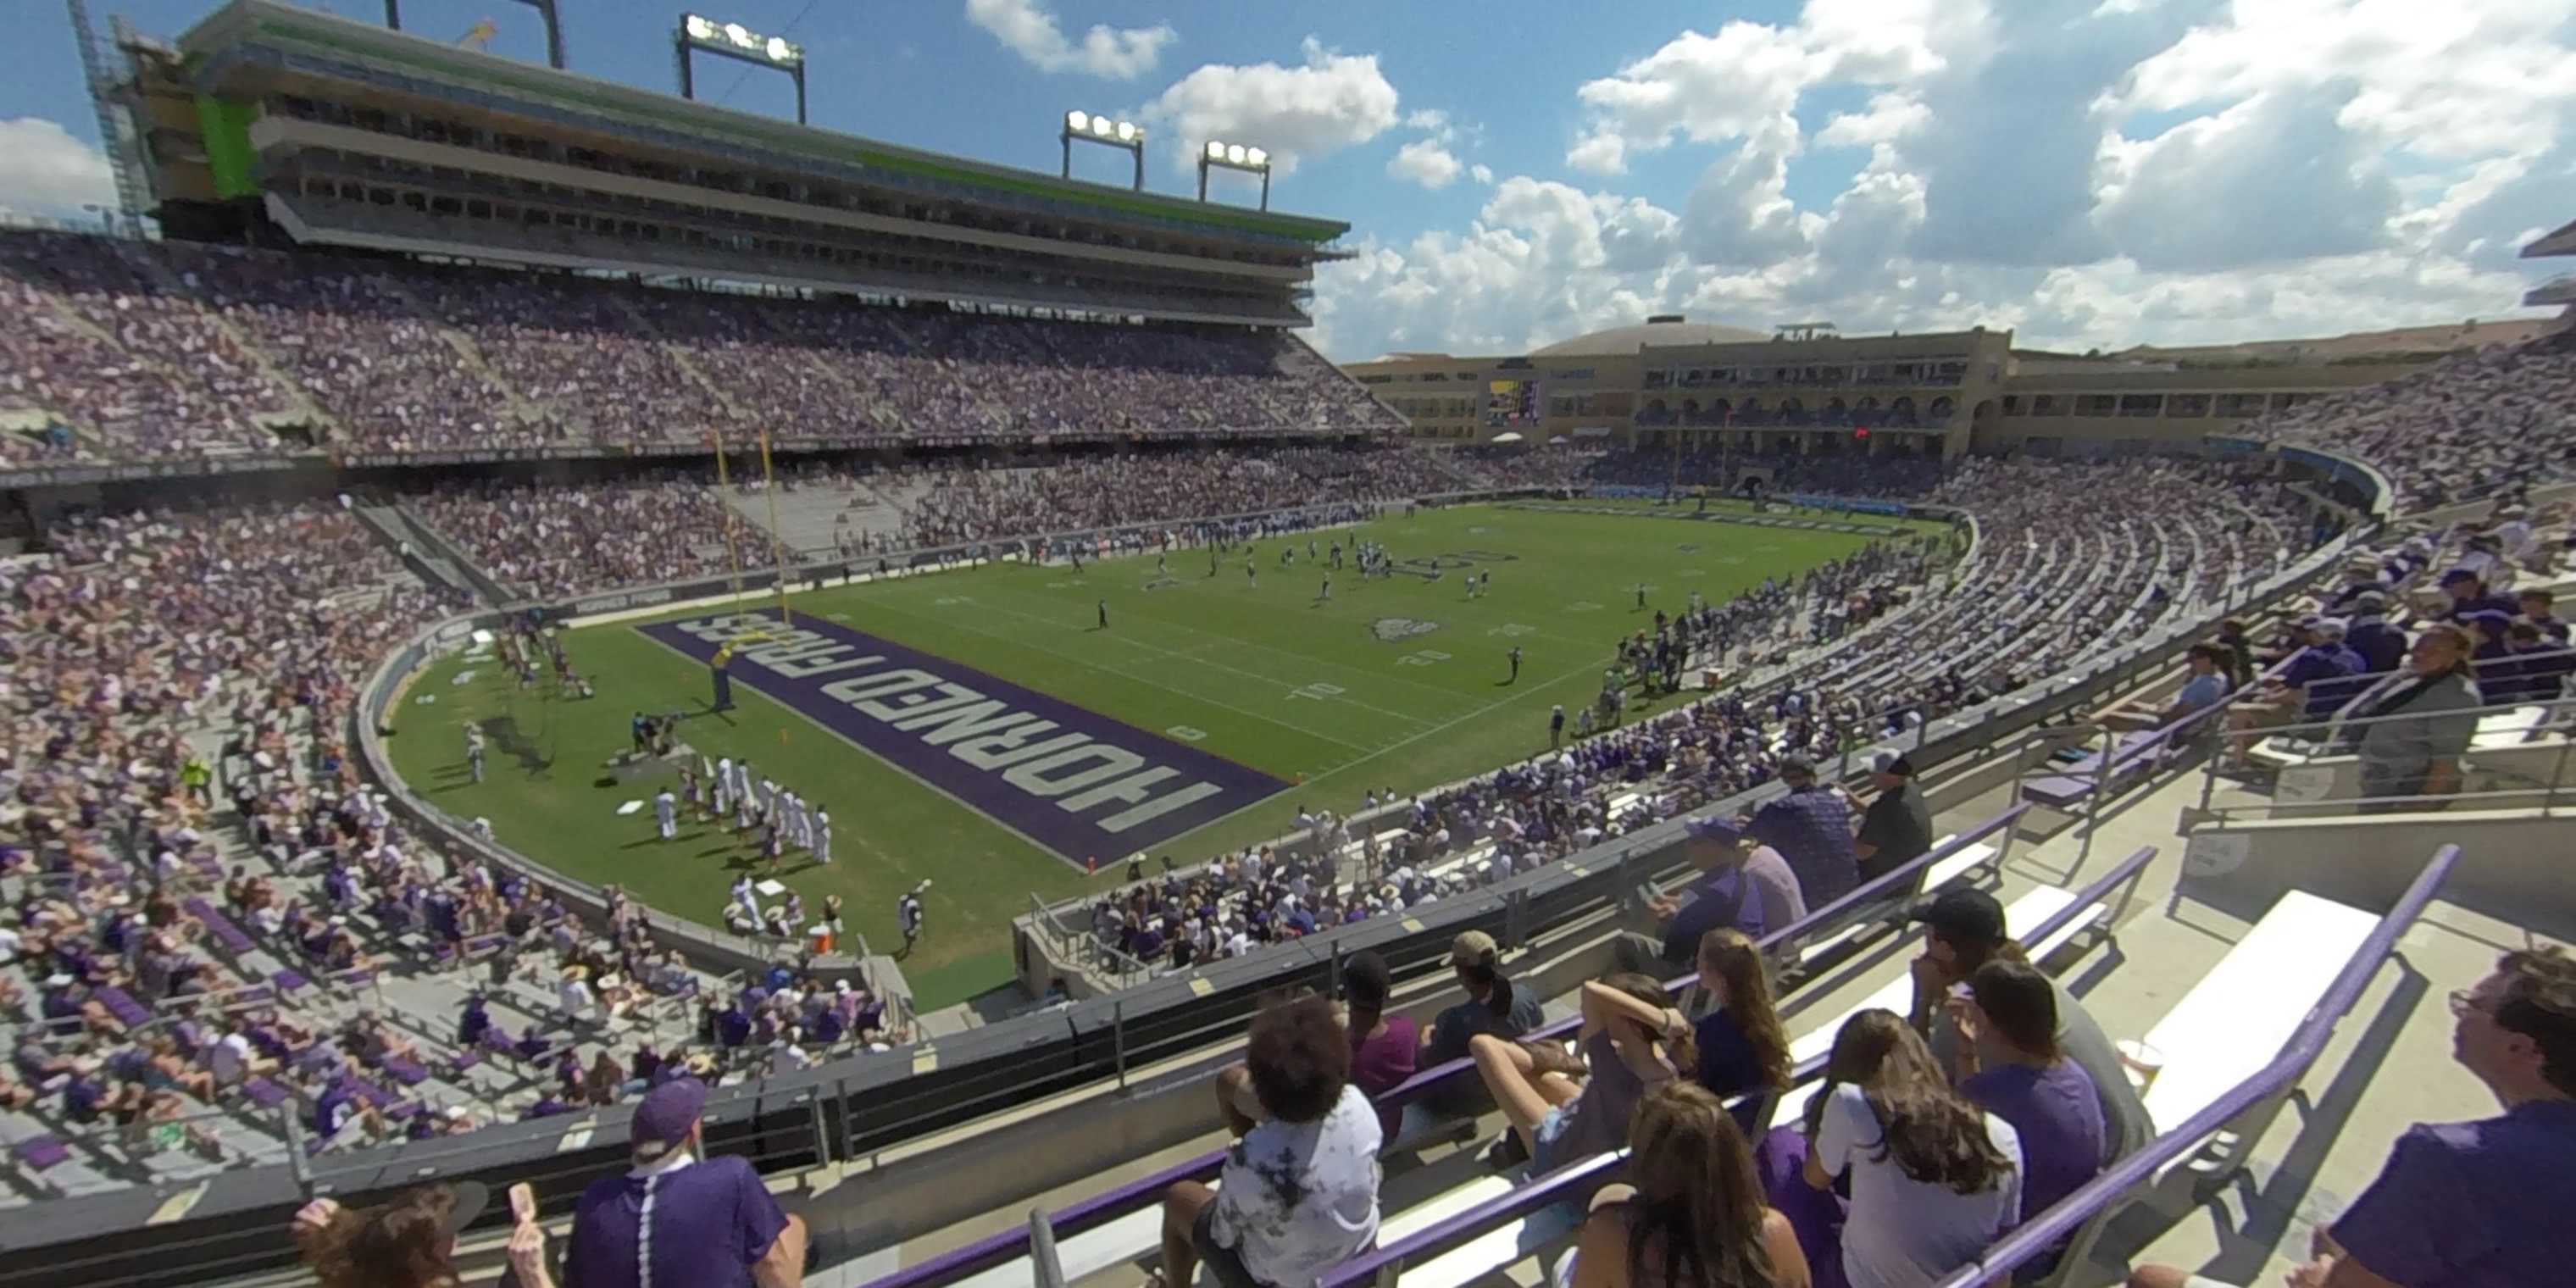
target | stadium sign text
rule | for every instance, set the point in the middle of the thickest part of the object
(1073, 780)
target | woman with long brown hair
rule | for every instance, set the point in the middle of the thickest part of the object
(1743, 1051)
(1934, 1179)
(407, 1243)
(1692, 1214)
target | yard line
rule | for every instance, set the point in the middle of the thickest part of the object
(1157, 680)
(1410, 720)
(1302, 659)
(1539, 690)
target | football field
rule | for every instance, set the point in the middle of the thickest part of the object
(984, 729)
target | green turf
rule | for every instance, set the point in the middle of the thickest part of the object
(1264, 673)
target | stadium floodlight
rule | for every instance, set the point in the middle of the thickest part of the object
(1092, 127)
(1220, 155)
(545, 10)
(701, 34)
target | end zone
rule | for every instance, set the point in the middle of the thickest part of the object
(1070, 779)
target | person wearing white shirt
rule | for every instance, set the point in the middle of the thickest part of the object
(822, 846)
(1934, 1179)
(1299, 1192)
(574, 994)
(230, 1058)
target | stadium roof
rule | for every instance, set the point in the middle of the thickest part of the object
(2561, 242)
(244, 24)
(1656, 331)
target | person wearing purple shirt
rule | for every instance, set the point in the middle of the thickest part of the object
(2381, 646)
(2469, 595)
(2024, 1079)
(1811, 828)
(676, 1219)
(2477, 1204)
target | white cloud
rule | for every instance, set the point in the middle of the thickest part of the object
(1481, 173)
(1701, 87)
(1032, 33)
(1889, 117)
(2160, 171)
(1425, 162)
(1333, 100)
(44, 170)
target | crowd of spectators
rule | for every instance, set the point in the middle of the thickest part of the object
(2071, 559)
(213, 924)
(2469, 426)
(554, 540)
(140, 347)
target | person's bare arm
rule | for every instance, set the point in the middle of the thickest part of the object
(2442, 778)
(1788, 1260)
(2344, 1272)
(1814, 1169)
(783, 1266)
(1601, 1253)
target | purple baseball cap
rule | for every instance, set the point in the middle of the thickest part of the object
(1721, 830)
(664, 1118)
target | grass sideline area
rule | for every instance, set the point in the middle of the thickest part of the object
(1399, 682)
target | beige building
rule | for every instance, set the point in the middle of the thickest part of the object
(1808, 388)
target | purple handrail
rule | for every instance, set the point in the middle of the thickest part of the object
(1557, 1186)
(1113, 1203)
(1874, 892)
(2037, 1236)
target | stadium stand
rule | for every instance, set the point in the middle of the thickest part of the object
(238, 954)
(212, 349)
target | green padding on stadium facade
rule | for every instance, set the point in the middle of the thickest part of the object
(229, 155)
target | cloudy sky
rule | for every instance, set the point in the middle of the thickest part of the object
(2087, 172)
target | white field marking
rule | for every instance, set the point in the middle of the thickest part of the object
(1583, 606)
(1161, 681)
(1542, 687)
(1185, 733)
(1301, 659)
(1511, 630)
(1191, 655)
(1690, 572)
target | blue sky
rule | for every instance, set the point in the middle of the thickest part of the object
(2086, 171)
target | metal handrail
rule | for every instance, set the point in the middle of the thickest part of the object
(2035, 1237)
(1579, 1179)
(1115, 1202)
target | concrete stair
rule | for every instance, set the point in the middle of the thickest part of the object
(307, 409)
(528, 410)
(806, 516)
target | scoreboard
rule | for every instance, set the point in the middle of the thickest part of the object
(1511, 402)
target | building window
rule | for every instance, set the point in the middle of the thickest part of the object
(2186, 405)
(2095, 404)
(2012, 404)
(2141, 404)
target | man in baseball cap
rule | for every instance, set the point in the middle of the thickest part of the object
(1897, 827)
(1963, 930)
(1493, 1004)
(1718, 893)
(677, 1219)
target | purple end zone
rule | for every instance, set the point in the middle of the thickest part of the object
(1073, 780)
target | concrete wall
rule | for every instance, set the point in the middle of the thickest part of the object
(994, 1166)
(2513, 863)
